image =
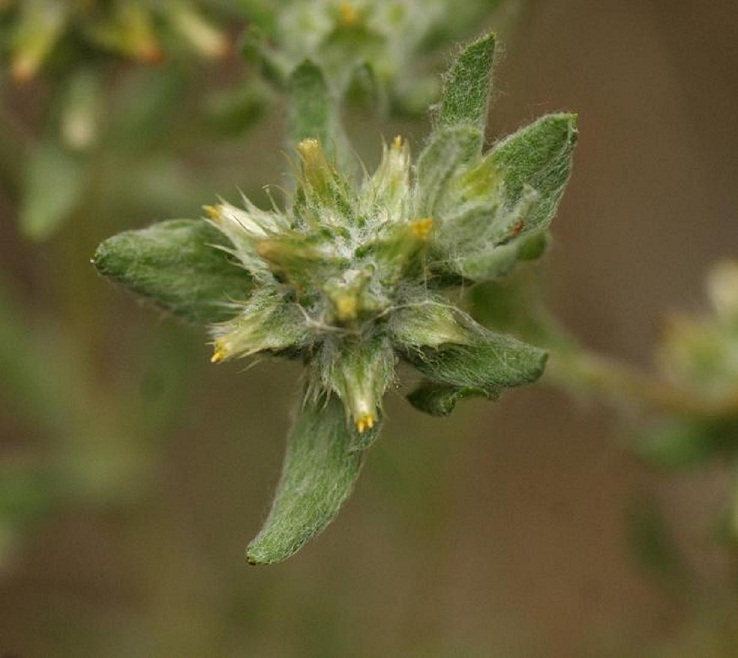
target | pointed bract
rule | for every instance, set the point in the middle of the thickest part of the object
(318, 475)
(537, 156)
(466, 88)
(492, 362)
(311, 107)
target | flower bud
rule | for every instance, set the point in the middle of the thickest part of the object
(359, 374)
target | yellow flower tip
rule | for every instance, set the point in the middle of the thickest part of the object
(309, 148)
(397, 142)
(313, 158)
(347, 15)
(212, 212)
(364, 422)
(219, 352)
(421, 228)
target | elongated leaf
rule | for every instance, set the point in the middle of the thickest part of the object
(467, 85)
(311, 107)
(537, 156)
(494, 361)
(317, 477)
(176, 265)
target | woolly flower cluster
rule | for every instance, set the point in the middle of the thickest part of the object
(349, 280)
(350, 277)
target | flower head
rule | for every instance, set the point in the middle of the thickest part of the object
(350, 277)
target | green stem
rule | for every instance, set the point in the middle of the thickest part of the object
(581, 369)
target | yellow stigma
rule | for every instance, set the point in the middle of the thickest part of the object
(219, 352)
(364, 422)
(421, 228)
(212, 212)
(397, 142)
(347, 15)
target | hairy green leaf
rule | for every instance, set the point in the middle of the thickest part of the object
(311, 107)
(491, 362)
(178, 266)
(467, 86)
(317, 477)
(537, 156)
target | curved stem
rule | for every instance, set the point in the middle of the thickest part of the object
(619, 381)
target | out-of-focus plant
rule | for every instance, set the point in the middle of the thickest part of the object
(699, 356)
(350, 276)
(40, 33)
(371, 48)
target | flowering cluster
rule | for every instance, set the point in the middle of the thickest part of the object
(350, 277)
(698, 356)
(360, 43)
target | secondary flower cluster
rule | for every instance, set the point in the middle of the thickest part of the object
(142, 31)
(370, 46)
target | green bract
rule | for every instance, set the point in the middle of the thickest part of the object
(349, 278)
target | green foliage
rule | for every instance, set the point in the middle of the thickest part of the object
(311, 107)
(366, 48)
(130, 29)
(538, 158)
(467, 86)
(700, 357)
(340, 276)
(488, 363)
(318, 475)
(440, 399)
(177, 265)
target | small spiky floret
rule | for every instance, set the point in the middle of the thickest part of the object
(345, 273)
(331, 270)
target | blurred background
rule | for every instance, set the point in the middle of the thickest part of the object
(133, 473)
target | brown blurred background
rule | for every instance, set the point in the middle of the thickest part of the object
(501, 531)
